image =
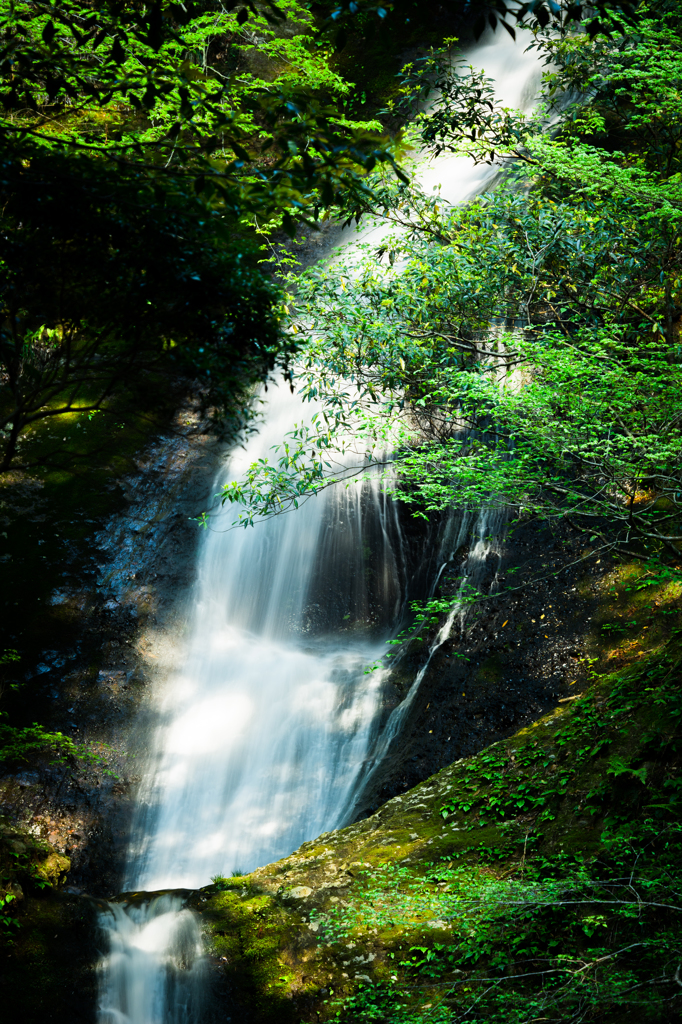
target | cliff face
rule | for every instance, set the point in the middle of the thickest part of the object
(514, 657)
(103, 622)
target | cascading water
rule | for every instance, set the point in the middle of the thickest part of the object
(263, 729)
(154, 973)
(486, 530)
(266, 731)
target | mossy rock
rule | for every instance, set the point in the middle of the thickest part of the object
(53, 869)
(27, 859)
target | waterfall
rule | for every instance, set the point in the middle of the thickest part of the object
(266, 730)
(154, 973)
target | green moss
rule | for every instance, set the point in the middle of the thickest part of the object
(554, 802)
(27, 860)
(491, 670)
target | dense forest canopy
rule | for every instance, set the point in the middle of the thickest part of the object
(141, 146)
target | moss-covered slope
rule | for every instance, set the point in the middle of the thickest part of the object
(536, 879)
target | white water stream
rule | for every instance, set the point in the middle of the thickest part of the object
(266, 729)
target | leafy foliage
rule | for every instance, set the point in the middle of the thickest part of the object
(166, 90)
(140, 146)
(560, 16)
(19, 745)
(520, 351)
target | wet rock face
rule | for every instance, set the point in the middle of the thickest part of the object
(517, 656)
(108, 629)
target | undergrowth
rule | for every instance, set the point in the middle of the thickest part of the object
(532, 927)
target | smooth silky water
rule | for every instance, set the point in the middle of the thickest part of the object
(269, 727)
(264, 727)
